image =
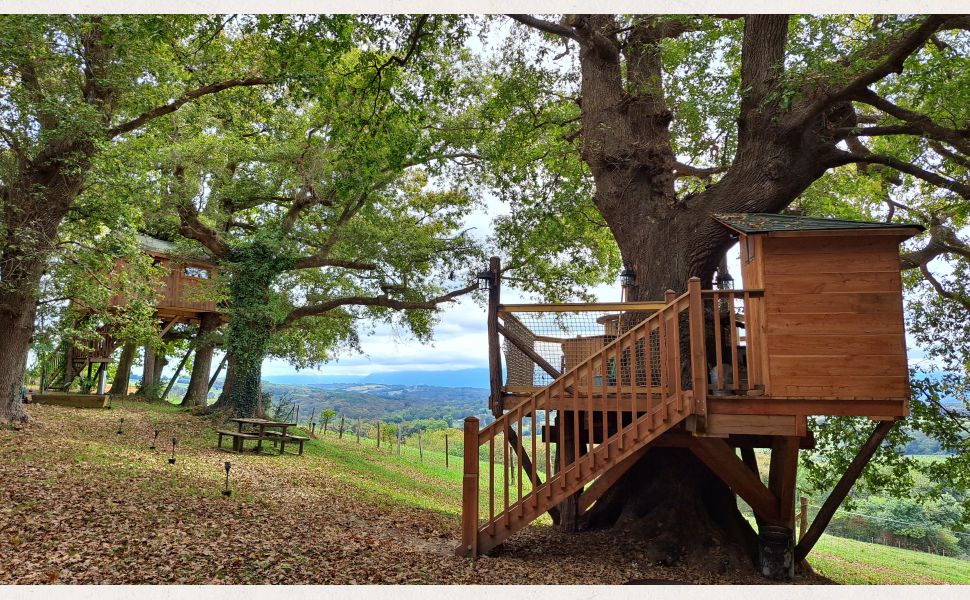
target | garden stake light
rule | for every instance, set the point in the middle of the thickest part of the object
(171, 460)
(154, 440)
(120, 423)
(226, 491)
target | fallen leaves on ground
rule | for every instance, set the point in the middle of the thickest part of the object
(80, 503)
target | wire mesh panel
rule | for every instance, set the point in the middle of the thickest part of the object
(565, 338)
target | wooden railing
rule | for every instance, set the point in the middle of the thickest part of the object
(736, 362)
(607, 407)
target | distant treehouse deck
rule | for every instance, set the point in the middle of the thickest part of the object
(817, 329)
(182, 292)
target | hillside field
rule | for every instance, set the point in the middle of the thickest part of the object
(82, 503)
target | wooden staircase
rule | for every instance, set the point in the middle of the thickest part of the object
(608, 408)
(60, 367)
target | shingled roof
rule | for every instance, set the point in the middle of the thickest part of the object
(767, 222)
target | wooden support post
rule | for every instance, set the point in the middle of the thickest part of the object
(722, 461)
(341, 436)
(358, 430)
(781, 476)
(148, 368)
(749, 459)
(378, 435)
(698, 353)
(313, 428)
(841, 489)
(446, 450)
(803, 518)
(777, 541)
(496, 403)
(178, 371)
(420, 448)
(102, 377)
(469, 492)
(215, 375)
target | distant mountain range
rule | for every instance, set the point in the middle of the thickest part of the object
(468, 378)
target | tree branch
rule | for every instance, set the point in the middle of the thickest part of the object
(381, 301)
(191, 227)
(316, 261)
(922, 124)
(546, 26)
(943, 292)
(189, 96)
(894, 56)
(844, 158)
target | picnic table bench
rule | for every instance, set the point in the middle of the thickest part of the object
(260, 430)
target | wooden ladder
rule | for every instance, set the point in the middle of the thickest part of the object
(615, 393)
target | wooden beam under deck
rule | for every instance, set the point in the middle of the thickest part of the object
(747, 405)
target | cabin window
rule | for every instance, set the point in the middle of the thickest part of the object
(197, 272)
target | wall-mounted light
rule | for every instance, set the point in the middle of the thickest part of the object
(486, 280)
(725, 281)
(628, 277)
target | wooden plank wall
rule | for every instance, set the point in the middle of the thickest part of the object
(833, 316)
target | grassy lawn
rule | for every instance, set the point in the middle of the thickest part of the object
(851, 561)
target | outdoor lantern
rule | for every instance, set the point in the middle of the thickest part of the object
(486, 280)
(628, 277)
(226, 491)
(171, 460)
(120, 423)
(154, 440)
(725, 281)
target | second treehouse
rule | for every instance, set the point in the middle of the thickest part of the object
(815, 330)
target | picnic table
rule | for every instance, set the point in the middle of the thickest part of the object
(259, 430)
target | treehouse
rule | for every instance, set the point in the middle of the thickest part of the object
(180, 297)
(815, 330)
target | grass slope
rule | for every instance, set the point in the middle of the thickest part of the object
(80, 503)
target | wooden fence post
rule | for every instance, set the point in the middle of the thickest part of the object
(420, 448)
(446, 450)
(400, 434)
(341, 436)
(313, 412)
(313, 428)
(803, 522)
(378, 435)
(297, 419)
(358, 430)
(469, 491)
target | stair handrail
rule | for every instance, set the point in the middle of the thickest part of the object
(688, 404)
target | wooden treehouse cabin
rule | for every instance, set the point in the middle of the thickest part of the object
(180, 299)
(815, 330)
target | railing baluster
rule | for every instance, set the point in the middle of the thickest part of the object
(535, 456)
(561, 428)
(718, 351)
(575, 420)
(547, 442)
(733, 323)
(604, 407)
(589, 415)
(505, 468)
(618, 384)
(750, 333)
(518, 458)
(491, 479)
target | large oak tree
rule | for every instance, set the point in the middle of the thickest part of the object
(678, 117)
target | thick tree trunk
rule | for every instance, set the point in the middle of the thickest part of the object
(16, 328)
(159, 363)
(198, 391)
(148, 370)
(119, 386)
(683, 512)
